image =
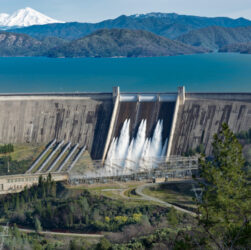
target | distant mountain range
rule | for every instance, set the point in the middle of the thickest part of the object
(123, 43)
(136, 35)
(24, 17)
(167, 25)
(102, 43)
(215, 37)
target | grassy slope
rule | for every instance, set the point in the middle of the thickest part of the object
(26, 154)
(179, 194)
(123, 192)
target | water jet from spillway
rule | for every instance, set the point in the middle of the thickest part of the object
(139, 154)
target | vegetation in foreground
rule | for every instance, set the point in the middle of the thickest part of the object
(225, 206)
(223, 220)
(51, 206)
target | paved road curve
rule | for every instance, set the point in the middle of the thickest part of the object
(139, 191)
(61, 234)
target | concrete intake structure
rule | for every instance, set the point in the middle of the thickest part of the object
(94, 119)
(59, 157)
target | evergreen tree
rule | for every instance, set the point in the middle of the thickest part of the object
(40, 181)
(15, 232)
(73, 245)
(22, 202)
(38, 226)
(104, 244)
(172, 216)
(6, 207)
(17, 205)
(26, 194)
(224, 211)
(43, 191)
(85, 204)
(49, 178)
(53, 191)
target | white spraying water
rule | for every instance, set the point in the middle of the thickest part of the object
(156, 143)
(140, 154)
(144, 160)
(129, 163)
(136, 147)
(163, 153)
(123, 144)
(110, 156)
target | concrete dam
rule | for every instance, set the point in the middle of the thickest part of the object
(40, 118)
(94, 120)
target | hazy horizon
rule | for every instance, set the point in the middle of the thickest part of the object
(95, 11)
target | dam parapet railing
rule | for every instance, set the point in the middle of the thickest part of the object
(55, 96)
(148, 97)
(235, 96)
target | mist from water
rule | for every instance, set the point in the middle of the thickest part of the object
(138, 154)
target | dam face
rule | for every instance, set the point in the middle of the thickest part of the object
(38, 119)
(93, 120)
(201, 116)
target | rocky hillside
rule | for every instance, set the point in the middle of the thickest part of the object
(123, 43)
(216, 37)
(244, 48)
(12, 44)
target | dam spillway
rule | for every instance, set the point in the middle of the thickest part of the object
(138, 153)
(95, 119)
(151, 111)
(141, 130)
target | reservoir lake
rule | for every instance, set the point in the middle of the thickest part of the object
(199, 73)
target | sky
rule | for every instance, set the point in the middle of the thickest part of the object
(98, 10)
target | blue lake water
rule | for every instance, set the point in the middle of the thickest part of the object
(199, 73)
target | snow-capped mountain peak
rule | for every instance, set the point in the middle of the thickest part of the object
(25, 17)
(155, 15)
(3, 17)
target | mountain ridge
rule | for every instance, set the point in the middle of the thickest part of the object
(172, 27)
(123, 43)
(215, 37)
(102, 43)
